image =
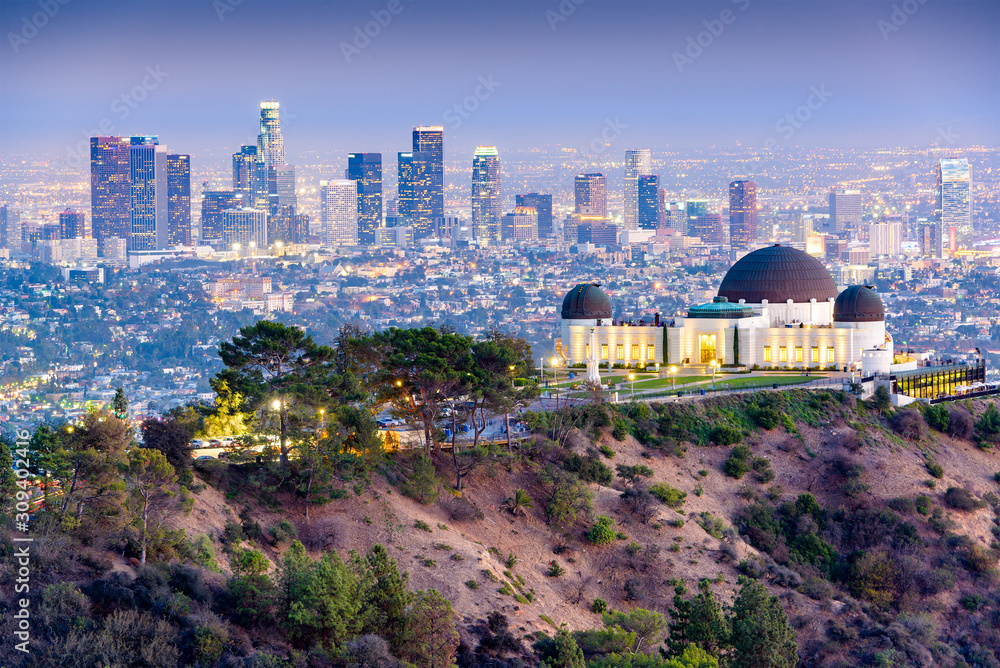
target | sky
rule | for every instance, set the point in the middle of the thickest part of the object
(583, 74)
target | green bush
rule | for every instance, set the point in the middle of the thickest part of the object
(667, 495)
(599, 606)
(962, 499)
(283, 531)
(724, 434)
(606, 450)
(934, 468)
(922, 504)
(938, 417)
(602, 532)
(589, 469)
(738, 463)
(620, 430)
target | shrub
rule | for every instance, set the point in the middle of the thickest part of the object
(472, 584)
(934, 468)
(902, 504)
(606, 450)
(589, 469)
(422, 483)
(762, 469)
(738, 463)
(988, 426)
(423, 526)
(462, 510)
(724, 434)
(620, 430)
(632, 473)
(972, 602)
(938, 418)
(555, 570)
(960, 498)
(960, 423)
(667, 495)
(599, 606)
(909, 424)
(283, 531)
(602, 532)
(923, 504)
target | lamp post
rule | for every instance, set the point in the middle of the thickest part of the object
(511, 367)
(715, 365)
(631, 378)
(673, 377)
(554, 362)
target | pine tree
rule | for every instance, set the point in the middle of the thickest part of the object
(385, 596)
(8, 480)
(432, 638)
(761, 636)
(119, 405)
(567, 653)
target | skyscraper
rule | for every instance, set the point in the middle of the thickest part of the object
(366, 170)
(110, 192)
(73, 224)
(405, 197)
(845, 209)
(954, 198)
(696, 208)
(638, 162)
(487, 195)
(247, 174)
(178, 200)
(244, 228)
(520, 225)
(339, 207)
(148, 177)
(648, 213)
(708, 228)
(591, 195)
(885, 238)
(213, 204)
(10, 228)
(270, 143)
(742, 214)
(428, 150)
(543, 205)
(285, 185)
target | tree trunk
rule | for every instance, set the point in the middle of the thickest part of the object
(506, 417)
(145, 521)
(309, 489)
(72, 488)
(454, 453)
(283, 418)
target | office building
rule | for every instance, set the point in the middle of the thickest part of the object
(697, 207)
(428, 175)
(10, 228)
(885, 238)
(591, 195)
(953, 181)
(487, 196)
(366, 170)
(638, 163)
(597, 232)
(845, 210)
(270, 143)
(414, 191)
(213, 204)
(110, 190)
(742, 214)
(285, 186)
(244, 230)
(708, 228)
(148, 178)
(520, 225)
(247, 175)
(288, 227)
(676, 217)
(542, 204)
(73, 224)
(339, 217)
(649, 213)
(178, 200)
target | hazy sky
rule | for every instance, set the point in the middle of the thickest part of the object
(684, 74)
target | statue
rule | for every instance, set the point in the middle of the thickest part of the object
(593, 374)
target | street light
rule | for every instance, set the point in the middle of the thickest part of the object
(673, 377)
(512, 367)
(631, 377)
(715, 365)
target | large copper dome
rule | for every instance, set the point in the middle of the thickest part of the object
(858, 303)
(777, 274)
(586, 302)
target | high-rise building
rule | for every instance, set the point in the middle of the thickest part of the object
(885, 238)
(649, 211)
(845, 209)
(597, 232)
(520, 225)
(10, 228)
(676, 217)
(638, 162)
(285, 186)
(954, 198)
(591, 192)
(178, 200)
(288, 227)
(366, 170)
(708, 228)
(405, 187)
(247, 173)
(148, 178)
(73, 224)
(428, 162)
(697, 207)
(742, 214)
(542, 204)
(244, 229)
(339, 207)
(110, 191)
(270, 143)
(213, 204)
(487, 195)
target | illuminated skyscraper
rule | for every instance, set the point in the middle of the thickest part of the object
(247, 174)
(405, 197)
(10, 228)
(543, 205)
(366, 170)
(339, 207)
(885, 238)
(696, 208)
(520, 225)
(110, 192)
(487, 195)
(742, 214)
(591, 192)
(148, 177)
(428, 175)
(845, 209)
(213, 204)
(954, 198)
(285, 186)
(638, 162)
(648, 213)
(270, 144)
(244, 229)
(178, 200)
(73, 224)
(708, 228)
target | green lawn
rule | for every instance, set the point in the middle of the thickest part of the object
(765, 381)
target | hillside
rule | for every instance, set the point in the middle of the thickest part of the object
(888, 562)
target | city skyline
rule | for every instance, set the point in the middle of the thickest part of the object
(798, 82)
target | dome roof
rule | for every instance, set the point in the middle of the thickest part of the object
(778, 273)
(586, 302)
(720, 307)
(858, 303)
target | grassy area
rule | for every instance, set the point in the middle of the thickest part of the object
(764, 381)
(666, 382)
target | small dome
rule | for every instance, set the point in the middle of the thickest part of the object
(586, 302)
(778, 273)
(858, 303)
(720, 307)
